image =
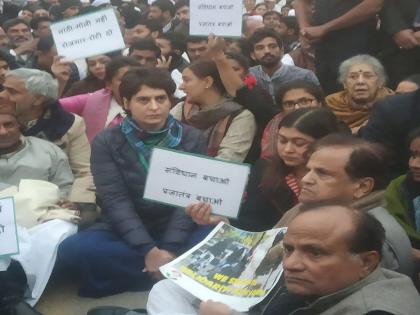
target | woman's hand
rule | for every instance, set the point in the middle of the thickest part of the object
(201, 214)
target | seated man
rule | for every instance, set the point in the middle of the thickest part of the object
(331, 264)
(137, 236)
(34, 93)
(29, 157)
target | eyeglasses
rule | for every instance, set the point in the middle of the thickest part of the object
(301, 102)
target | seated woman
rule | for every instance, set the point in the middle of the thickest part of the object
(274, 186)
(135, 235)
(230, 130)
(403, 196)
(95, 79)
(363, 78)
(102, 108)
(289, 97)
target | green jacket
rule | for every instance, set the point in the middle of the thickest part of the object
(398, 205)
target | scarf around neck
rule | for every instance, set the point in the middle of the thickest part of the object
(143, 141)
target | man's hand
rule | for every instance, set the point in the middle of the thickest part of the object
(61, 69)
(27, 47)
(406, 39)
(314, 34)
(214, 308)
(164, 63)
(215, 47)
(201, 214)
(156, 258)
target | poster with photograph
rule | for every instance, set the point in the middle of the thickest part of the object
(232, 266)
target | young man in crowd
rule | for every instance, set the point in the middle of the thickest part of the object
(163, 11)
(182, 12)
(196, 47)
(20, 40)
(146, 52)
(267, 51)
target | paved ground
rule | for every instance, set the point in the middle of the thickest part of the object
(60, 298)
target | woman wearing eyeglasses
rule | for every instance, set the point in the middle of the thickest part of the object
(290, 97)
(363, 78)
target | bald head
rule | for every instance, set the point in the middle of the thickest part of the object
(330, 247)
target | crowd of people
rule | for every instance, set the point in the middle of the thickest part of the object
(320, 97)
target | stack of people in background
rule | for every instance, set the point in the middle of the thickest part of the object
(321, 97)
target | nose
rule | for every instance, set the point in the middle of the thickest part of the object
(153, 104)
(266, 49)
(3, 131)
(308, 178)
(292, 262)
(289, 147)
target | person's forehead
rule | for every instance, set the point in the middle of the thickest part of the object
(325, 226)
(183, 8)
(332, 158)
(148, 91)
(163, 41)
(141, 52)
(19, 26)
(6, 118)
(361, 67)
(266, 40)
(197, 44)
(140, 27)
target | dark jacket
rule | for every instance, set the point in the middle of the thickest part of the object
(398, 15)
(120, 180)
(390, 123)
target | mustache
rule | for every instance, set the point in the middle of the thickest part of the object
(268, 55)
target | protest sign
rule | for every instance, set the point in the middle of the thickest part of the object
(88, 35)
(231, 266)
(8, 231)
(179, 178)
(220, 17)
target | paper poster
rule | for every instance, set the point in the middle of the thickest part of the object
(8, 232)
(88, 35)
(180, 179)
(220, 17)
(231, 266)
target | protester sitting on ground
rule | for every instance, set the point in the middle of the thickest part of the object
(274, 184)
(410, 84)
(267, 51)
(29, 157)
(331, 262)
(344, 169)
(20, 41)
(41, 26)
(272, 19)
(363, 78)
(289, 97)
(136, 236)
(402, 196)
(95, 79)
(229, 128)
(34, 93)
(103, 108)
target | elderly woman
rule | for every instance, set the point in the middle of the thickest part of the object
(136, 236)
(363, 78)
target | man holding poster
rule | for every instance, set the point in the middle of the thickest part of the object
(136, 236)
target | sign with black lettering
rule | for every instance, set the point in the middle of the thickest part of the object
(219, 17)
(180, 179)
(8, 231)
(88, 35)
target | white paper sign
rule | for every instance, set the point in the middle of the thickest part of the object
(180, 179)
(220, 17)
(8, 232)
(88, 35)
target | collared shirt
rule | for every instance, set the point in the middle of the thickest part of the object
(114, 110)
(282, 75)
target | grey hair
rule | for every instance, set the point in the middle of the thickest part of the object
(37, 82)
(345, 66)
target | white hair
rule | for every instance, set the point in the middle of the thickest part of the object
(376, 65)
(37, 82)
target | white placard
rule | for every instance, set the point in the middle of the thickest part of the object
(180, 179)
(220, 17)
(8, 232)
(88, 35)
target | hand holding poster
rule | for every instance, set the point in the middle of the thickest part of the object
(180, 179)
(220, 17)
(88, 35)
(8, 232)
(232, 266)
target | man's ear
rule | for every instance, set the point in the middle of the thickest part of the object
(363, 187)
(125, 103)
(369, 261)
(252, 55)
(39, 100)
